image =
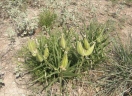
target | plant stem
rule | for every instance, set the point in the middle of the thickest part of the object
(60, 80)
(82, 61)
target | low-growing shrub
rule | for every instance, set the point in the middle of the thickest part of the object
(16, 11)
(49, 61)
(25, 26)
(47, 18)
(127, 2)
(62, 55)
(98, 33)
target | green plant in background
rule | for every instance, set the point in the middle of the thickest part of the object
(47, 18)
(16, 11)
(127, 2)
(114, 1)
(11, 33)
(25, 26)
(118, 78)
(11, 8)
(123, 51)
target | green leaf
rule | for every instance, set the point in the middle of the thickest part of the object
(43, 76)
(69, 74)
(51, 65)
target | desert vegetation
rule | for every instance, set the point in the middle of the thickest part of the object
(66, 48)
